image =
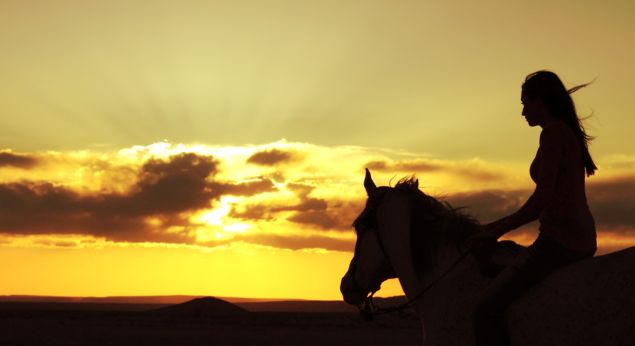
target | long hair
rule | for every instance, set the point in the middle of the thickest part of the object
(549, 88)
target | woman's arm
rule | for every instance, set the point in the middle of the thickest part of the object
(551, 154)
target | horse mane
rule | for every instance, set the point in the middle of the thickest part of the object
(431, 220)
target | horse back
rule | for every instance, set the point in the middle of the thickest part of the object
(590, 302)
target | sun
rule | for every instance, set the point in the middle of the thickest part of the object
(216, 224)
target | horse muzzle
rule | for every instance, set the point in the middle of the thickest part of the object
(351, 292)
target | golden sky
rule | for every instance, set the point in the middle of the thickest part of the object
(204, 147)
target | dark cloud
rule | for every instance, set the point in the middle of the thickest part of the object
(318, 218)
(310, 211)
(272, 157)
(613, 203)
(307, 203)
(168, 187)
(489, 205)
(166, 193)
(253, 212)
(268, 212)
(333, 215)
(315, 213)
(9, 159)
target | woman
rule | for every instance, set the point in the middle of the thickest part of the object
(567, 229)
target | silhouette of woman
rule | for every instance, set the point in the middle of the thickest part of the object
(567, 229)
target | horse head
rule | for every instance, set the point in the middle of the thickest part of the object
(370, 265)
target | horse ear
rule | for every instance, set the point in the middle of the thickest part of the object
(369, 184)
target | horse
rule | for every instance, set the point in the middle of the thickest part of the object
(405, 234)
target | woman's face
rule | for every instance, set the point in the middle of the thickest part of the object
(533, 110)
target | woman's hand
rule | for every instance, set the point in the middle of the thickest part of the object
(484, 239)
(482, 245)
(484, 236)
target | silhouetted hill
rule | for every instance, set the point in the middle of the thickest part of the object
(202, 307)
(145, 303)
(163, 300)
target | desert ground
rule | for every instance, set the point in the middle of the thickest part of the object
(39, 324)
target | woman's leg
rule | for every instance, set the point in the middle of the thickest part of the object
(541, 258)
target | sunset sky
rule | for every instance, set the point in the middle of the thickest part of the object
(218, 147)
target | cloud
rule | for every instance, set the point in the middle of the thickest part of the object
(314, 213)
(172, 194)
(309, 211)
(307, 203)
(252, 212)
(337, 215)
(410, 166)
(318, 218)
(51, 243)
(613, 203)
(471, 169)
(295, 242)
(309, 242)
(272, 157)
(156, 208)
(270, 211)
(248, 188)
(9, 159)
(489, 205)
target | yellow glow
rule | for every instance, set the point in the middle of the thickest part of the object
(240, 270)
(236, 228)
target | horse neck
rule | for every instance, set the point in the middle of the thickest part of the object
(394, 223)
(445, 274)
(447, 249)
(446, 254)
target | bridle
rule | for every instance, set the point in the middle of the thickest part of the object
(368, 309)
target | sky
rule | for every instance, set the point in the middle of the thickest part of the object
(218, 147)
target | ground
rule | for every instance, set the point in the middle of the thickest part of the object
(40, 327)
